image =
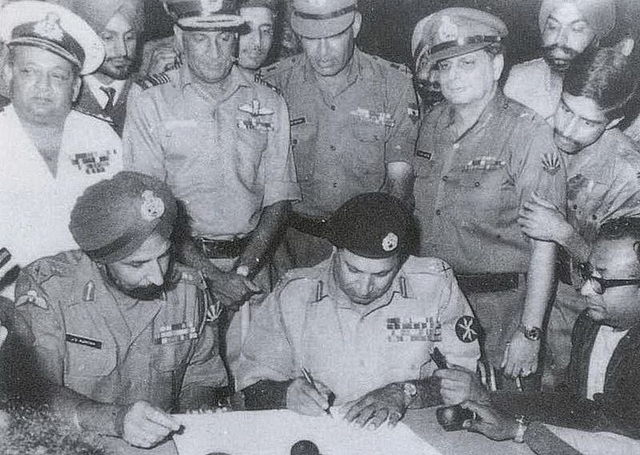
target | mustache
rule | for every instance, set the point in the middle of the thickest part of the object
(571, 53)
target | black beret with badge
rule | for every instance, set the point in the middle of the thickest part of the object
(372, 225)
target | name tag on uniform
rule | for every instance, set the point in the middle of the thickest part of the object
(75, 339)
(175, 333)
(400, 330)
(298, 121)
(92, 162)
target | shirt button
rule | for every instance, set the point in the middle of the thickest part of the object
(445, 178)
(333, 108)
(456, 146)
(575, 207)
(477, 184)
(438, 212)
(335, 185)
(332, 147)
(294, 141)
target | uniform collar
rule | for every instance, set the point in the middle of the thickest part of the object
(495, 104)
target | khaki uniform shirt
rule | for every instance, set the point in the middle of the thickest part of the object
(225, 158)
(536, 86)
(309, 322)
(93, 339)
(469, 190)
(343, 143)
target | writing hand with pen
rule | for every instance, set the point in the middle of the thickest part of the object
(308, 396)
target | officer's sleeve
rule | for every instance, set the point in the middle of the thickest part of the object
(267, 353)
(142, 147)
(279, 171)
(537, 164)
(205, 369)
(42, 332)
(460, 329)
(404, 135)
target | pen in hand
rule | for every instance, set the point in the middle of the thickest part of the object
(330, 397)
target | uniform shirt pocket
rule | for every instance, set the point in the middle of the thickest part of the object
(86, 357)
(366, 128)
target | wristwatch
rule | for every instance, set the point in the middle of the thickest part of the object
(531, 333)
(410, 391)
(523, 424)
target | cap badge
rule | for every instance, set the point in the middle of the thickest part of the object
(49, 27)
(390, 242)
(448, 31)
(152, 206)
(211, 6)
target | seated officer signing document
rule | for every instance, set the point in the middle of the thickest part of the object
(361, 325)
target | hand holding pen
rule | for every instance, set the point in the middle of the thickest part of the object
(306, 395)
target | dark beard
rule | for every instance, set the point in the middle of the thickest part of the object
(149, 292)
(559, 65)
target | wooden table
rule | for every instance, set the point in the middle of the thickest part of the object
(423, 422)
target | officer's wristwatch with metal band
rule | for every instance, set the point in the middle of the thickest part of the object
(531, 333)
(410, 391)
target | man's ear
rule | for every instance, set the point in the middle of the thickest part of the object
(498, 66)
(625, 46)
(77, 83)
(7, 72)
(357, 24)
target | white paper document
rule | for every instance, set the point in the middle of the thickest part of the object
(275, 432)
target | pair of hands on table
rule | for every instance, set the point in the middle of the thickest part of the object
(372, 410)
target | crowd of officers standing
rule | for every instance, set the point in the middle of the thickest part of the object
(196, 178)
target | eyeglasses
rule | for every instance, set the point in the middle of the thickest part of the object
(600, 285)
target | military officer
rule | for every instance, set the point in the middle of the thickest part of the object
(120, 324)
(567, 28)
(361, 324)
(602, 166)
(104, 93)
(480, 156)
(221, 142)
(354, 120)
(54, 152)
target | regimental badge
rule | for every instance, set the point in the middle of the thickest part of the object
(551, 163)
(32, 297)
(448, 31)
(377, 118)
(49, 28)
(93, 162)
(414, 112)
(390, 242)
(175, 333)
(468, 329)
(400, 330)
(259, 117)
(485, 163)
(152, 206)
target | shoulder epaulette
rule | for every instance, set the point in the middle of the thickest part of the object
(153, 80)
(259, 80)
(279, 66)
(398, 67)
(96, 115)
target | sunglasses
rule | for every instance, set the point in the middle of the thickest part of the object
(600, 285)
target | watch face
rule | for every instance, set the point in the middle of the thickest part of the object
(410, 389)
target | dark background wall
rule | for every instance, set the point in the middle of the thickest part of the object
(388, 24)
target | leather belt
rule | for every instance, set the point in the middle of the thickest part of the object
(489, 282)
(218, 249)
(312, 226)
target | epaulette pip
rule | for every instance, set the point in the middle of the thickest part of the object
(153, 80)
(279, 66)
(399, 67)
(258, 79)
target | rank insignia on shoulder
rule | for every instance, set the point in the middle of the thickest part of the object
(153, 79)
(32, 297)
(259, 80)
(551, 163)
(414, 112)
(467, 329)
(298, 121)
(423, 154)
(378, 118)
(485, 163)
(93, 162)
(259, 118)
(89, 293)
